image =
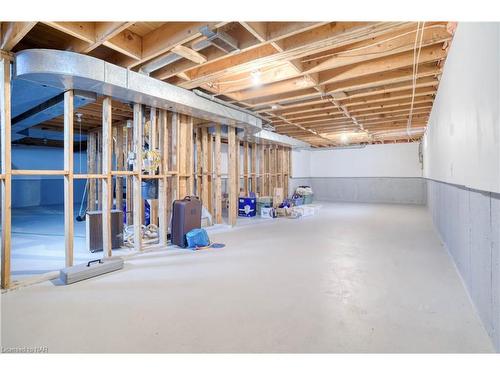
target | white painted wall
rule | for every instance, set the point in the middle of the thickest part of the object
(387, 160)
(301, 163)
(462, 142)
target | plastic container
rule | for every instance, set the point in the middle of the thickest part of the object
(308, 199)
(263, 202)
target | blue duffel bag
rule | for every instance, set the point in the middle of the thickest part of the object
(197, 238)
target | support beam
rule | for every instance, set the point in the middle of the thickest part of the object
(153, 145)
(238, 166)
(107, 33)
(68, 178)
(210, 174)
(166, 37)
(120, 166)
(5, 135)
(189, 54)
(233, 175)
(389, 63)
(245, 168)
(204, 167)
(262, 184)
(199, 169)
(190, 155)
(91, 169)
(254, 167)
(99, 169)
(176, 125)
(13, 32)
(137, 197)
(107, 182)
(218, 181)
(129, 195)
(163, 193)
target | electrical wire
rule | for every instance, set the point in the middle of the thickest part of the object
(348, 53)
(416, 58)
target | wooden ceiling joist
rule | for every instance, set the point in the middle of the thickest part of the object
(13, 32)
(310, 80)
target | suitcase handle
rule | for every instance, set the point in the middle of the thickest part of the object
(93, 261)
(188, 197)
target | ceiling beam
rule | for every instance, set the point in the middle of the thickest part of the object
(189, 54)
(381, 46)
(317, 39)
(257, 29)
(90, 35)
(385, 64)
(166, 37)
(13, 32)
(104, 31)
(382, 78)
(84, 31)
(426, 81)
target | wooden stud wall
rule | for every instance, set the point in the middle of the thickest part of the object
(5, 128)
(68, 178)
(218, 177)
(163, 183)
(172, 134)
(233, 171)
(257, 168)
(137, 178)
(107, 181)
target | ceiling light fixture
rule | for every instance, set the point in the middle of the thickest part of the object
(255, 77)
(344, 138)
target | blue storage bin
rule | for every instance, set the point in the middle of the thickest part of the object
(247, 206)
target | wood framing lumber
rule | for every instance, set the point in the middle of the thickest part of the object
(91, 168)
(13, 32)
(163, 185)
(137, 196)
(204, 167)
(189, 54)
(120, 165)
(245, 168)
(68, 178)
(262, 190)
(6, 181)
(152, 146)
(254, 168)
(218, 179)
(233, 175)
(107, 183)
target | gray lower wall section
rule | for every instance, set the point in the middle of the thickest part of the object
(366, 189)
(468, 222)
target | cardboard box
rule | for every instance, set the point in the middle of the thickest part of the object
(278, 197)
(267, 213)
(283, 212)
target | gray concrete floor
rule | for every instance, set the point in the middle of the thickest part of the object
(38, 241)
(354, 278)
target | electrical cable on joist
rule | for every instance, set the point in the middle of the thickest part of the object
(416, 57)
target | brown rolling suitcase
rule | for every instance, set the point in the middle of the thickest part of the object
(186, 215)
